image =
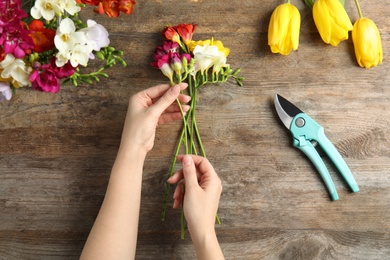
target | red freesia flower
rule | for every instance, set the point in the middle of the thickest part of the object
(185, 31)
(43, 38)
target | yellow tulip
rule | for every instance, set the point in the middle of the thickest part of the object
(367, 43)
(283, 30)
(332, 21)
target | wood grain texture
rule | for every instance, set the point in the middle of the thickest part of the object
(56, 151)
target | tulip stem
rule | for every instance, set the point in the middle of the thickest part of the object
(359, 9)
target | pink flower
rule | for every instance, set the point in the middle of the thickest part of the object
(13, 36)
(47, 77)
(166, 48)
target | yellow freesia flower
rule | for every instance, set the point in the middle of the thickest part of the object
(219, 44)
(367, 42)
(332, 21)
(283, 30)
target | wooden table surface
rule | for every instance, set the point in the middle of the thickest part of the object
(57, 150)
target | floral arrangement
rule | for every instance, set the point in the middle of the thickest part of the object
(49, 45)
(333, 25)
(198, 63)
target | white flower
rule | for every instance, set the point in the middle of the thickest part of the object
(71, 45)
(70, 6)
(96, 35)
(207, 56)
(5, 91)
(16, 70)
(67, 37)
(80, 55)
(46, 8)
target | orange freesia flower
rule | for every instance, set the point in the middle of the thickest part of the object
(169, 33)
(185, 31)
(111, 7)
(43, 38)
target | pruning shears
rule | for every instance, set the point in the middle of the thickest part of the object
(306, 134)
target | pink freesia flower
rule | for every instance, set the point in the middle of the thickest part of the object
(47, 77)
(13, 36)
(166, 48)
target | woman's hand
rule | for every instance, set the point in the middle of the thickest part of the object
(149, 108)
(201, 187)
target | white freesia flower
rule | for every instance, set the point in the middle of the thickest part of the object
(207, 56)
(67, 37)
(46, 9)
(96, 35)
(71, 44)
(80, 55)
(16, 70)
(5, 91)
(70, 6)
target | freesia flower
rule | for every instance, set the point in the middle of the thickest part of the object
(367, 43)
(111, 8)
(5, 91)
(163, 63)
(332, 21)
(207, 56)
(71, 45)
(46, 9)
(43, 38)
(15, 70)
(170, 34)
(46, 77)
(96, 35)
(70, 6)
(212, 42)
(283, 30)
(185, 31)
(80, 54)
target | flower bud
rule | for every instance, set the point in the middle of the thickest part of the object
(283, 31)
(367, 42)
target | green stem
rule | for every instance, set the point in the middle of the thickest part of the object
(359, 9)
(171, 173)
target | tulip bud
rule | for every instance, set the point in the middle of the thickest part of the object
(283, 31)
(367, 43)
(332, 21)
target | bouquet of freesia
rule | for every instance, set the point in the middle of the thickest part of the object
(198, 63)
(47, 47)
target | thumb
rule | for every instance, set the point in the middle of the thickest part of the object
(189, 172)
(167, 99)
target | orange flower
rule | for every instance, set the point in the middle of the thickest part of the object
(169, 33)
(111, 8)
(185, 31)
(43, 38)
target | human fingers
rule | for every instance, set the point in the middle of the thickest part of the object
(166, 100)
(189, 173)
(178, 195)
(176, 177)
(159, 90)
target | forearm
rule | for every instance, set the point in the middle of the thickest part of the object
(207, 247)
(114, 233)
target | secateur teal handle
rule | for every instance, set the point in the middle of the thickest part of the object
(305, 130)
